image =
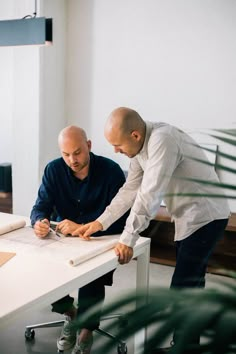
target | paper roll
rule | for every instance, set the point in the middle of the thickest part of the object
(13, 225)
(100, 248)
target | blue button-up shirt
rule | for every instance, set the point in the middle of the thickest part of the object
(63, 196)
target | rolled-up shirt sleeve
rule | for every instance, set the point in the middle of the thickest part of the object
(124, 199)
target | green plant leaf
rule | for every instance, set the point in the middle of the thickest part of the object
(225, 332)
(225, 140)
(231, 132)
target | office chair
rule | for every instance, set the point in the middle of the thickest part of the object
(121, 345)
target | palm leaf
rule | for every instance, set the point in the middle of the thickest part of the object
(216, 165)
(197, 311)
(225, 140)
(231, 132)
(225, 332)
(217, 153)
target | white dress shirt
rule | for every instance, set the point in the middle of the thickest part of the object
(165, 167)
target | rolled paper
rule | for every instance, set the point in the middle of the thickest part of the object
(13, 225)
(101, 246)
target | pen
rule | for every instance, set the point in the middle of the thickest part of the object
(54, 232)
(50, 229)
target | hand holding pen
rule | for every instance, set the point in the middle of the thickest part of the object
(42, 228)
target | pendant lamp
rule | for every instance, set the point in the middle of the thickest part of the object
(26, 31)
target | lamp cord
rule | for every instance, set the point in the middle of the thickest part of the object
(35, 8)
(34, 13)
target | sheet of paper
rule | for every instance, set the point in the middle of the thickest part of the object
(71, 250)
(5, 256)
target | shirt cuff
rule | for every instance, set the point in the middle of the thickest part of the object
(104, 221)
(128, 239)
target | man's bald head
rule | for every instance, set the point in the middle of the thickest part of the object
(125, 120)
(125, 130)
(75, 149)
(72, 132)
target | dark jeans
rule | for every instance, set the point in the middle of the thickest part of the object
(88, 296)
(192, 255)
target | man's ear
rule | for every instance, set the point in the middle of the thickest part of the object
(136, 135)
(89, 143)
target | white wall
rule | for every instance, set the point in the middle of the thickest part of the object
(171, 60)
(80, 59)
(36, 102)
(52, 82)
(6, 88)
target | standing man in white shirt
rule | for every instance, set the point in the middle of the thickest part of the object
(164, 165)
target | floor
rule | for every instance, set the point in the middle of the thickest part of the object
(12, 339)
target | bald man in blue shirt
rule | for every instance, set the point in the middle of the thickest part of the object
(76, 188)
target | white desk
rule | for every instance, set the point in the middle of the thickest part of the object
(30, 281)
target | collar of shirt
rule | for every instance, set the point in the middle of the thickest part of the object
(147, 136)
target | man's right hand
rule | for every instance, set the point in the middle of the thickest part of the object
(85, 231)
(41, 228)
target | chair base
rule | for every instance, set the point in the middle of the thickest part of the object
(121, 345)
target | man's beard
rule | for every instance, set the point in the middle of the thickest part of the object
(78, 166)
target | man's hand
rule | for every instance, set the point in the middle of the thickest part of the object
(41, 228)
(125, 253)
(85, 231)
(67, 227)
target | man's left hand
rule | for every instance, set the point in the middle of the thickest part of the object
(66, 227)
(125, 253)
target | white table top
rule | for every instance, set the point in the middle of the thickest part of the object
(30, 279)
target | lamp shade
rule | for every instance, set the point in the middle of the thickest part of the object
(30, 31)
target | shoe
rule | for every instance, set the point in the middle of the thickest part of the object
(83, 347)
(67, 338)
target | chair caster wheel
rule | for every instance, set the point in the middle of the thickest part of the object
(122, 349)
(29, 334)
